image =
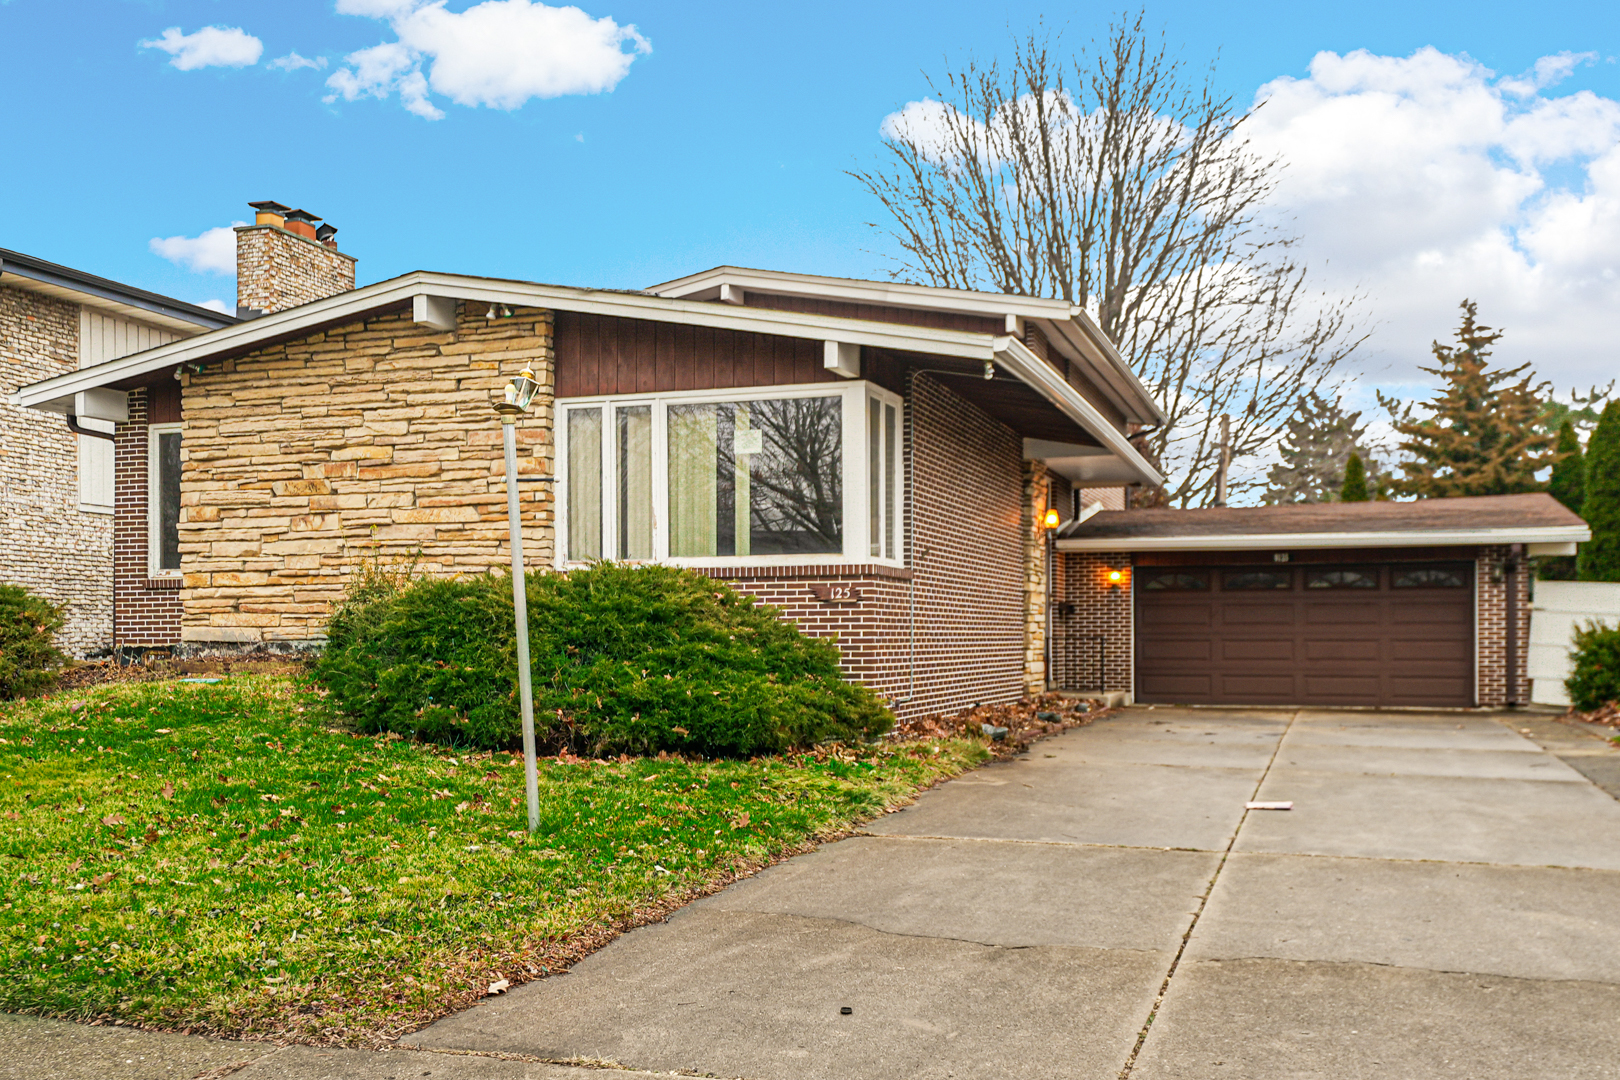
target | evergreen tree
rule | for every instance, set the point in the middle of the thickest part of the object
(1355, 481)
(1568, 483)
(1320, 439)
(1600, 556)
(1483, 433)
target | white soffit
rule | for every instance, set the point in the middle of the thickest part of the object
(1559, 535)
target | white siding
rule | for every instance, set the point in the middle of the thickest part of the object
(104, 337)
(1561, 606)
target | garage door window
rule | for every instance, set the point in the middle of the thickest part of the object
(1175, 581)
(1429, 577)
(1238, 580)
(1341, 579)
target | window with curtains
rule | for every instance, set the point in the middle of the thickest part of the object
(770, 475)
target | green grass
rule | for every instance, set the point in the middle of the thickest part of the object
(231, 858)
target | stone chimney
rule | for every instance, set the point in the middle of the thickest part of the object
(285, 259)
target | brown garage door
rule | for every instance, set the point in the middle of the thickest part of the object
(1390, 634)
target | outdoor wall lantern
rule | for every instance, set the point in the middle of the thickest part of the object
(1116, 578)
(1051, 520)
(519, 393)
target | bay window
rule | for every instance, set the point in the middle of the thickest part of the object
(801, 475)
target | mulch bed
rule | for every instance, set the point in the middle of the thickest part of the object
(1026, 721)
(152, 668)
(1608, 715)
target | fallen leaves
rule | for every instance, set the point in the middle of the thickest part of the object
(498, 987)
(167, 791)
(111, 820)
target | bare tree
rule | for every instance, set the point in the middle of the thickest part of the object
(1117, 182)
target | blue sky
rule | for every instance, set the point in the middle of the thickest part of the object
(727, 141)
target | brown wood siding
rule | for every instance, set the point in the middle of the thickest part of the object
(163, 402)
(599, 355)
(1379, 646)
(844, 309)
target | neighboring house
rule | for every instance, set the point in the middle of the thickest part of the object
(877, 459)
(56, 472)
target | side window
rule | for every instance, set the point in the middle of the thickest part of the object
(163, 499)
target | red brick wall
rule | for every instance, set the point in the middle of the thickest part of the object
(1089, 607)
(145, 613)
(1491, 642)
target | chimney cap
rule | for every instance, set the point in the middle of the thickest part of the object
(323, 233)
(270, 205)
(302, 215)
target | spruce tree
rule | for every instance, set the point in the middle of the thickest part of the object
(1355, 481)
(1316, 448)
(1600, 556)
(1568, 483)
(1482, 434)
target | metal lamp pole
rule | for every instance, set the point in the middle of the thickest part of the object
(519, 392)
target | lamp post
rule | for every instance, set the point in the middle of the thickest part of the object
(519, 393)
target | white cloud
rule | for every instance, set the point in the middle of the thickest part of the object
(499, 53)
(213, 251)
(292, 62)
(1424, 179)
(212, 46)
(218, 305)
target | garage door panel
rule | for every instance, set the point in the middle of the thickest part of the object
(1252, 689)
(1252, 614)
(1177, 649)
(1258, 649)
(1176, 687)
(1347, 649)
(1347, 613)
(1172, 617)
(1329, 646)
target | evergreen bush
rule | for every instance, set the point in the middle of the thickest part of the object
(1355, 481)
(624, 660)
(1600, 556)
(28, 653)
(1594, 679)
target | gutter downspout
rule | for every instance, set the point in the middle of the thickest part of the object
(78, 429)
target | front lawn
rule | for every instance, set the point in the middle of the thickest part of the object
(229, 857)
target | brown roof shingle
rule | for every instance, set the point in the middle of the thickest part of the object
(1478, 512)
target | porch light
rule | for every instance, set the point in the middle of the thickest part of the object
(1052, 520)
(519, 393)
(1115, 577)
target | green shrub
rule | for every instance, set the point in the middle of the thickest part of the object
(624, 660)
(28, 653)
(1595, 678)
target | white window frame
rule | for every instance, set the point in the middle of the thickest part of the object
(853, 394)
(153, 518)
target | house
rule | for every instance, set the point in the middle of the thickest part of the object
(884, 462)
(56, 473)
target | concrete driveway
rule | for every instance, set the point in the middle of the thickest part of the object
(1443, 900)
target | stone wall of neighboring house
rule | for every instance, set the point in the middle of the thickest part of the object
(47, 544)
(373, 439)
(277, 269)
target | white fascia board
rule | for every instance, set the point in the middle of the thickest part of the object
(866, 292)
(1300, 541)
(1087, 341)
(1013, 355)
(355, 304)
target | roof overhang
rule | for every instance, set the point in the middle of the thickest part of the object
(75, 286)
(1006, 352)
(1565, 534)
(1068, 328)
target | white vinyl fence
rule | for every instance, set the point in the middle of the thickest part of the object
(1559, 607)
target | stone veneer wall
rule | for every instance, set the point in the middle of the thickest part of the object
(1037, 491)
(47, 544)
(373, 438)
(277, 269)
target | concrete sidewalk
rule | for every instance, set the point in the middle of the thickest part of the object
(1439, 903)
